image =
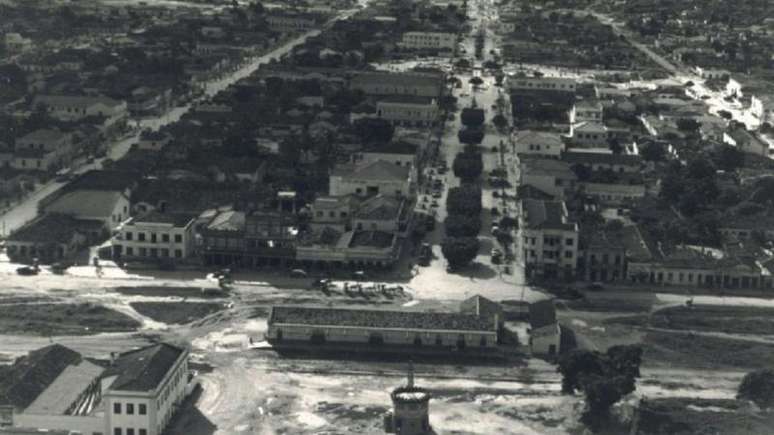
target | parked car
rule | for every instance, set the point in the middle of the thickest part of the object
(27, 270)
(595, 286)
(298, 273)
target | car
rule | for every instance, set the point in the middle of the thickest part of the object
(434, 203)
(595, 286)
(27, 270)
(359, 275)
(298, 273)
(570, 293)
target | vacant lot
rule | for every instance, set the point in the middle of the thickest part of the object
(163, 291)
(695, 351)
(692, 416)
(732, 320)
(176, 312)
(62, 319)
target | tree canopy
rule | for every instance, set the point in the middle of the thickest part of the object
(459, 251)
(468, 165)
(465, 199)
(758, 387)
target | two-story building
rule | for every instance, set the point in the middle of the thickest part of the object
(538, 144)
(371, 179)
(156, 235)
(74, 108)
(554, 84)
(441, 41)
(408, 110)
(382, 83)
(587, 111)
(549, 239)
(43, 150)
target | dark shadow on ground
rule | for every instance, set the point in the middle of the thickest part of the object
(189, 420)
(476, 270)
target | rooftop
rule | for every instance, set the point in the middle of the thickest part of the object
(397, 79)
(542, 313)
(180, 220)
(407, 99)
(539, 138)
(379, 170)
(551, 167)
(572, 157)
(540, 214)
(91, 203)
(53, 228)
(81, 101)
(103, 180)
(321, 316)
(57, 398)
(144, 369)
(43, 135)
(380, 207)
(372, 239)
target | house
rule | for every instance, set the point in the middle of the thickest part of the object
(369, 179)
(16, 43)
(602, 256)
(74, 108)
(109, 207)
(589, 134)
(538, 144)
(549, 239)
(156, 235)
(153, 140)
(34, 160)
(43, 149)
(482, 307)
(747, 227)
(553, 177)
(356, 248)
(595, 160)
(382, 213)
(382, 83)
(587, 111)
(52, 237)
(440, 41)
(762, 107)
(387, 330)
(544, 331)
(401, 153)
(711, 73)
(408, 110)
(746, 141)
(333, 212)
(552, 84)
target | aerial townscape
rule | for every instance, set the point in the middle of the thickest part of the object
(412, 217)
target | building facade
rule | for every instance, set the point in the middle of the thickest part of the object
(549, 239)
(441, 41)
(156, 235)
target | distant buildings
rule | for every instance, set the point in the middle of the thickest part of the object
(553, 84)
(52, 237)
(136, 392)
(408, 110)
(73, 108)
(539, 144)
(405, 83)
(284, 22)
(372, 178)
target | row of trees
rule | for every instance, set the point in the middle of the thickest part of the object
(462, 225)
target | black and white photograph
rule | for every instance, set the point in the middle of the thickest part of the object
(409, 217)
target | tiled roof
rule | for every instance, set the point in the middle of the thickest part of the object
(144, 369)
(397, 79)
(406, 99)
(30, 375)
(539, 138)
(177, 219)
(103, 180)
(320, 316)
(378, 170)
(572, 157)
(480, 306)
(43, 135)
(552, 167)
(541, 214)
(65, 389)
(380, 207)
(90, 203)
(75, 100)
(53, 228)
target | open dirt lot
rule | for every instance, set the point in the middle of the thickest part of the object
(176, 312)
(63, 319)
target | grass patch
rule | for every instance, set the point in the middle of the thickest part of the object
(176, 312)
(63, 319)
(162, 291)
(712, 318)
(688, 350)
(693, 416)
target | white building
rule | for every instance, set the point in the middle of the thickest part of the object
(550, 176)
(136, 394)
(541, 83)
(541, 144)
(380, 83)
(585, 110)
(590, 134)
(429, 40)
(408, 110)
(545, 334)
(156, 235)
(762, 107)
(74, 108)
(549, 239)
(371, 179)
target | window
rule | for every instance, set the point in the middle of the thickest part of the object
(129, 251)
(141, 237)
(143, 432)
(130, 431)
(178, 253)
(178, 238)
(129, 235)
(143, 252)
(569, 242)
(142, 411)
(153, 237)
(567, 254)
(117, 431)
(117, 408)
(165, 238)
(130, 409)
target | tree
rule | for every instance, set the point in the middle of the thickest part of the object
(699, 168)
(374, 130)
(500, 121)
(758, 387)
(471, 136)
(476, 81)
(468, 165)
(461, 225)
(464, 199)
(472, 117)
(615, 145)
(688, 124)
(730, 158)
(653, 151)
(459, 251)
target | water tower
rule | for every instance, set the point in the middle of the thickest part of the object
(410, 415)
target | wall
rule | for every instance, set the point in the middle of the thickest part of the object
(541, 339)
(87, 425)
(340, 186)
(186, 246)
